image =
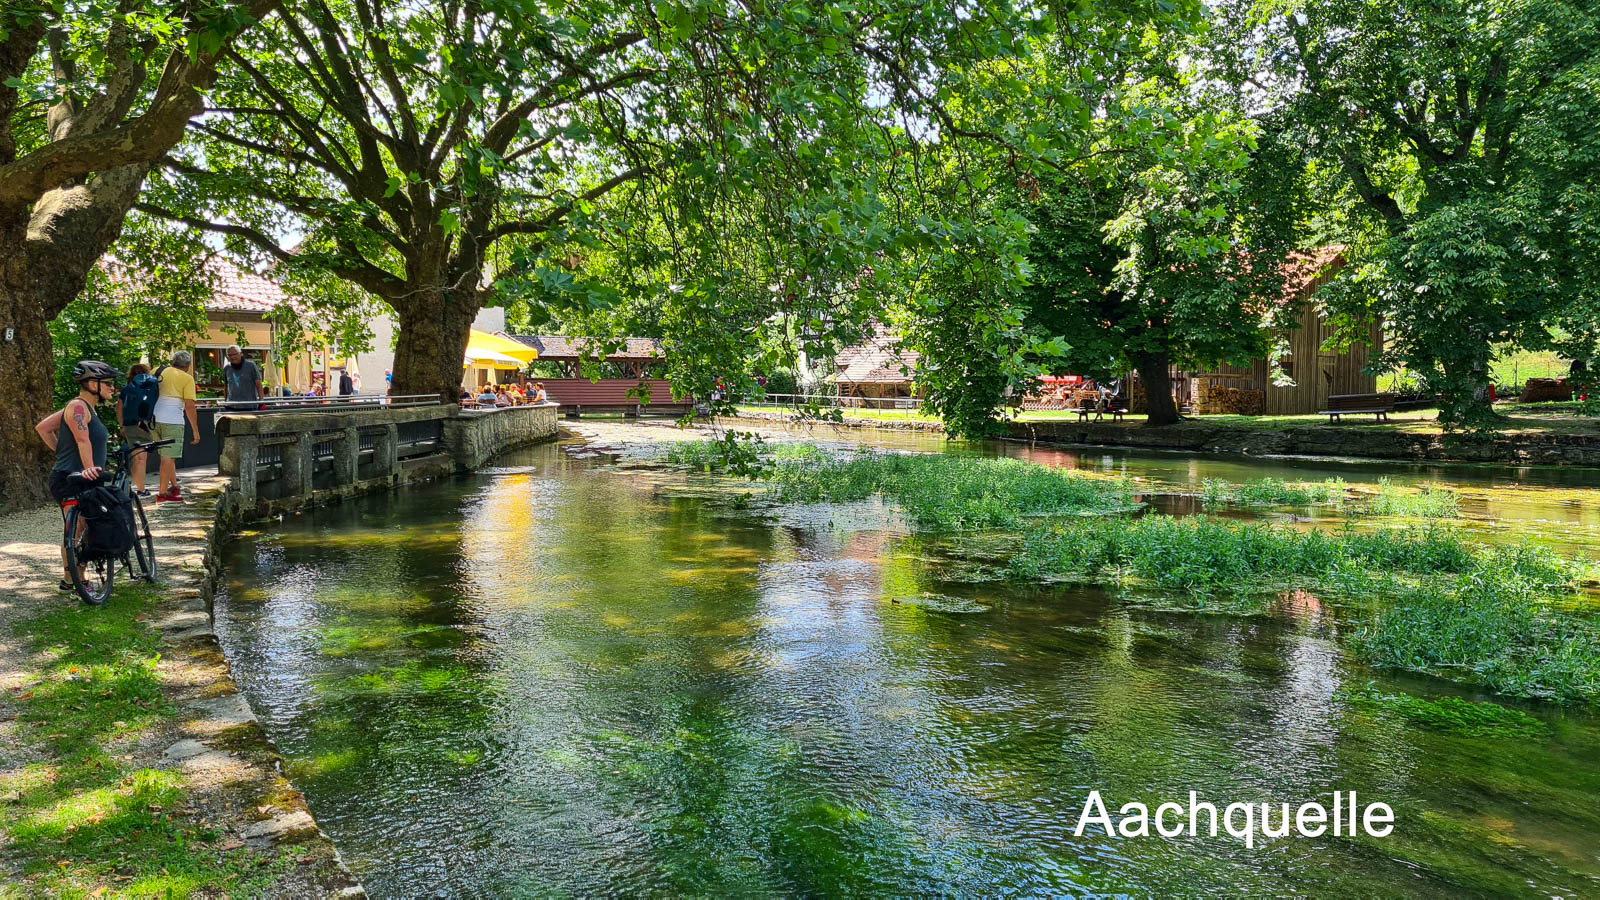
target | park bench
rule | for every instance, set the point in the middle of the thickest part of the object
(1087, 406)
(1379, 405)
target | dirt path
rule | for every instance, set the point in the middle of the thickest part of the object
(227, 771)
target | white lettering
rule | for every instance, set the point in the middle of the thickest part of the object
(1103, 818)
(1266, 821)
(1384, 818)
(1139, 817)
(1162, 811)
(1311, 814)
(1194, 813)
(1248, 832)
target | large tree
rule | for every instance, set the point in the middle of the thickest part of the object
(1157, 246)
(1462, 135)
(722, 164)
(91, 95)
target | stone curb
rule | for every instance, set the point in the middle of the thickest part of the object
(224, 739)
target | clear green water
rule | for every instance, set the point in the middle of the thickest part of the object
(563, 679)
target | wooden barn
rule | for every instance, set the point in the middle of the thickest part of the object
(875, 374)
(1317, 373)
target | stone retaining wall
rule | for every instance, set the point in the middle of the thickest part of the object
(1525, 449)
(282, 462)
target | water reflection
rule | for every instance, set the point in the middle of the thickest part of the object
(556, 679)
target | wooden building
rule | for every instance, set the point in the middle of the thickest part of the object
(1316, 373)
(638, 388)
(875, 373)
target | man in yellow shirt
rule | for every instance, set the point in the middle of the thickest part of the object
(175, 403)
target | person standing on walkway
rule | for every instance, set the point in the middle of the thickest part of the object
(347, 386)
(174, 405)
(136, 410)
(242, 379)
(78, 438)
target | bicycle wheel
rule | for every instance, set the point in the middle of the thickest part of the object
(144, 545)
(92, 579)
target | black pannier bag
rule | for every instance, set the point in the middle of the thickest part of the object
(110, 532)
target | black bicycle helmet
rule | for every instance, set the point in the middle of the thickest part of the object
(93, 369)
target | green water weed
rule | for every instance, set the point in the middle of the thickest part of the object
(1430, 501)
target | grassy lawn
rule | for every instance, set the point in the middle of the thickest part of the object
(84, 822)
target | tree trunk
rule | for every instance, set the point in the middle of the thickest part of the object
(434, 328)
(1156, 373)
(29, 373)
(46, 254)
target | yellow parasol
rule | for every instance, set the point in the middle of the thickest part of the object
(482, 343)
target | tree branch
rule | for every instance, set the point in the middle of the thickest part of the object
(140, 140)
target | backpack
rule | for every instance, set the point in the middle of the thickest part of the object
(110, 533)
(143, 391)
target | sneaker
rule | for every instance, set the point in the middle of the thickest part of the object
(142, 494)
(65, 586)
(170, 497)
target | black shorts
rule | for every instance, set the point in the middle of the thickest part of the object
(62, 490)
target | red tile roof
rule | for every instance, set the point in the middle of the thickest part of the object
(876, 361)
(237, 290)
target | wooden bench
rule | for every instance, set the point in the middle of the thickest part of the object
(1379, 405)
(1087, 406)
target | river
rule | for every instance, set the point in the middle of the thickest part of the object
(567, 677)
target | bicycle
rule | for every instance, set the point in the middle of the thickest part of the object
(93, 574)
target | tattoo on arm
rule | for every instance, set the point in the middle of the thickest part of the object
(79, 419)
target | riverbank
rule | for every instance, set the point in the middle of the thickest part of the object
(1566, 441)
(1350, 440)
(130, 764)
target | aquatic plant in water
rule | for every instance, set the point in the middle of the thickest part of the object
(1272, 492)
(1430, 501)
(945, 493)
(1452, 715)
(1425, 600)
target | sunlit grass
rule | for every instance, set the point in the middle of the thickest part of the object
(84, 821)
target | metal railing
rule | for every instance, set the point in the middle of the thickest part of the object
(885, 407)
(315, 404)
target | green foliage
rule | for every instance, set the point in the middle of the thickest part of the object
(1272, 492)
(1425, 599)
(736, 453)
(1430, 501)
(1458, 162)
(1210, 558)
(1495, 627)
(947, 493)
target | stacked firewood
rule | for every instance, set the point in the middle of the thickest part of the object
(1211, 397)
(1543, 390)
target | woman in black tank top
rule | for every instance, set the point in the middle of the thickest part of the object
(77, 435)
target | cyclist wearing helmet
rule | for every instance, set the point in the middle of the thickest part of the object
(77, 435)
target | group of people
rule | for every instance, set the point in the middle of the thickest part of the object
(501, 396)
(150, 406)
